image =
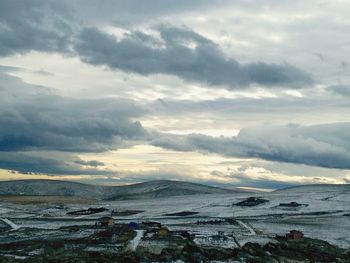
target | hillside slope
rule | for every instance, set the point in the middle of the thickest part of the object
(152, 189)
(316, 188)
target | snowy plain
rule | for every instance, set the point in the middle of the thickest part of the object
(323, 214)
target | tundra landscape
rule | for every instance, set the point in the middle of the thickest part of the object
(174, 131)
(171, 221)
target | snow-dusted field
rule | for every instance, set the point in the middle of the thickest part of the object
(323, 215)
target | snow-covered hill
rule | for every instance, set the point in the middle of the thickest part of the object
(319, 211)
(152, 189)
(317, 188)
(49, 187)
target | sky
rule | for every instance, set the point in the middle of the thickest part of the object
(252, 94)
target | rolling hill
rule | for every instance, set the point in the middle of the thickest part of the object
(316, 188)
(151, 189)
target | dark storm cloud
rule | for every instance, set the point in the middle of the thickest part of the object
(320, 145)
(34, 118)
(183, 53)
(48, 26)
(32, 25)
(26, 163)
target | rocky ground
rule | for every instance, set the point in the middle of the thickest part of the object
(306, 250)
(155, 243)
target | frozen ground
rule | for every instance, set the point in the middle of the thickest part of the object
(136, 241)
(323, 215)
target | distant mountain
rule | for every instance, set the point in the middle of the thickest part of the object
(316, 188)
(151, 189)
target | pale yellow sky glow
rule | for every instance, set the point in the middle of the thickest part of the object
(146, 161)
(150, 159)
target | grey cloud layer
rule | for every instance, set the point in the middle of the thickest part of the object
(27, 163)
(172, 54)
(34, 118)
(33, 25)
(133, 12)
(35, 123)
(251, 108)
(343, 90)
(321, 145)
(48, 26)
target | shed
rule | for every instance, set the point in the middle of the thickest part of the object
(295, 235)
(163, 231)
(106, 221)
(133, 225)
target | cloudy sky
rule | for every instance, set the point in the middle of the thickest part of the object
(238, 93)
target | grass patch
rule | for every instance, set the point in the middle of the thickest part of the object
(127, 212)
(183, 213)
(29, 199)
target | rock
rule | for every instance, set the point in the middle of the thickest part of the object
(220, 254)
(251, 201)
(253, 249)
(292, 204)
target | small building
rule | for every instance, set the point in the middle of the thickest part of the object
(163, 231)
(106, 221)
(295, 235)
(133, 225)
